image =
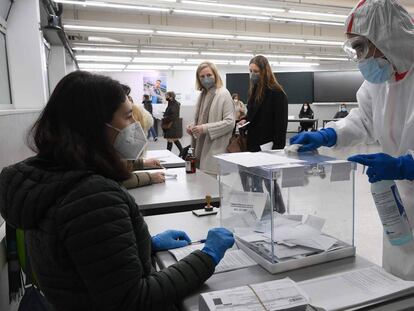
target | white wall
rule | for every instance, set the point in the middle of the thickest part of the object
(57, 65)
(26, 55)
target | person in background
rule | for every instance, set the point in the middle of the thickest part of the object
(342, 113)
(239, 107)
(146, 102)
(87, 241)
(172, 118)
(306, 112)
(214, 118)
(140, 179)
(267, 107)
(380, 39)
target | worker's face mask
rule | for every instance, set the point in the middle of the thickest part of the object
(343, 109)
(207, 82)
(130, 141)
(376, 70)
(254, 77)
(305, 108)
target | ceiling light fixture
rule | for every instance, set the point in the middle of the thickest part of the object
(98, 49)
(102, 39)
(270, 39)
(100, 66)
(99, 58)
(234, 6)
(323, 42)
(108, 29)
(306, 21)
(317, 13)
(195, 34)
(227, 54)
(183, 52)
(221, 14)
(284, 56)
(157, 60)
(327, 58)
(148, 67)
(113, 5)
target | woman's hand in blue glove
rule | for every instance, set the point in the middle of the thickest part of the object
(218, 241)
(169, 239)
(313, 140)
(382, 166)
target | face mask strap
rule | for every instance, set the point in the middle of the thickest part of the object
(116, 129)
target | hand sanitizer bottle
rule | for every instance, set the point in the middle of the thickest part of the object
(391, 212)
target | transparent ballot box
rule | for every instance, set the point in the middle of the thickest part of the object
(288, 211)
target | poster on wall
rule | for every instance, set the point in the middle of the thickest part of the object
(156, 87)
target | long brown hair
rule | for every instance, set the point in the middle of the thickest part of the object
(267, 79)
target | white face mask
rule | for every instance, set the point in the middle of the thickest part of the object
(130, 141)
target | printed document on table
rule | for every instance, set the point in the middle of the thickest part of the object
(232, 260)
(355, 288)
(274, 295)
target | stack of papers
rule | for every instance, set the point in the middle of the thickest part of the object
(274, 295)
(254, 159)
(292, 237)
(356, 288)
(232, 260)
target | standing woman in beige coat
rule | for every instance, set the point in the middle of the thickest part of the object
(214, 118)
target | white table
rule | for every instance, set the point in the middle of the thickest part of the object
(185, 193)
(197, 227)
(167, 158)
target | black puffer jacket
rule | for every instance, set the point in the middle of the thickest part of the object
(88, 242)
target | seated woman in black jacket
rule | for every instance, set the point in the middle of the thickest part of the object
(89, 245)
(267, 107)
(306, 112)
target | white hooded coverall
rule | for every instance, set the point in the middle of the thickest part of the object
(386, 111)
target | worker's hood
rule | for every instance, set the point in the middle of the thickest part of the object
(388, 26)
(30, 188)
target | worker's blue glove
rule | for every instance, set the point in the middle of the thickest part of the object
(169, 239)
(218, 241)
(313, 140)
(382, 166)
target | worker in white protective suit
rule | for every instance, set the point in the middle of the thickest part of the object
(380, 38)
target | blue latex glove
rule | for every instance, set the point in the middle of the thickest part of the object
(382, 166)
(169, 239)
(218, 241)
(313, 140)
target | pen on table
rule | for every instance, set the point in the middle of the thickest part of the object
(199, 241)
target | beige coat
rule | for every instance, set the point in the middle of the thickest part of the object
(218, 130)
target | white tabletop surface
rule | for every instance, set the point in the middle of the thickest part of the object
(167, 158)
(186, 189)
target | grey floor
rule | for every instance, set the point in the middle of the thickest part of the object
(368, 229)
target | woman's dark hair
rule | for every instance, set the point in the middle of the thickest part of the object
(71, 130)
(126, 89)
(146, 97)
(267, 79)
(234, 95)
(170, 94)
(307, 111)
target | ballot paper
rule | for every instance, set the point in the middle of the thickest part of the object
(242, 202)
(270, 296)
(232, 260)
(253, 159)
(348, 290)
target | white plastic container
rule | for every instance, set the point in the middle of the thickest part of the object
(391, 212)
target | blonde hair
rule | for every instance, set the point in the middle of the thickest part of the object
(142, 116)
(219, 82)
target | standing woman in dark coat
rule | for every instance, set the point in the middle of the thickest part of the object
(86, 238)
(172, 118)
(267, 107)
